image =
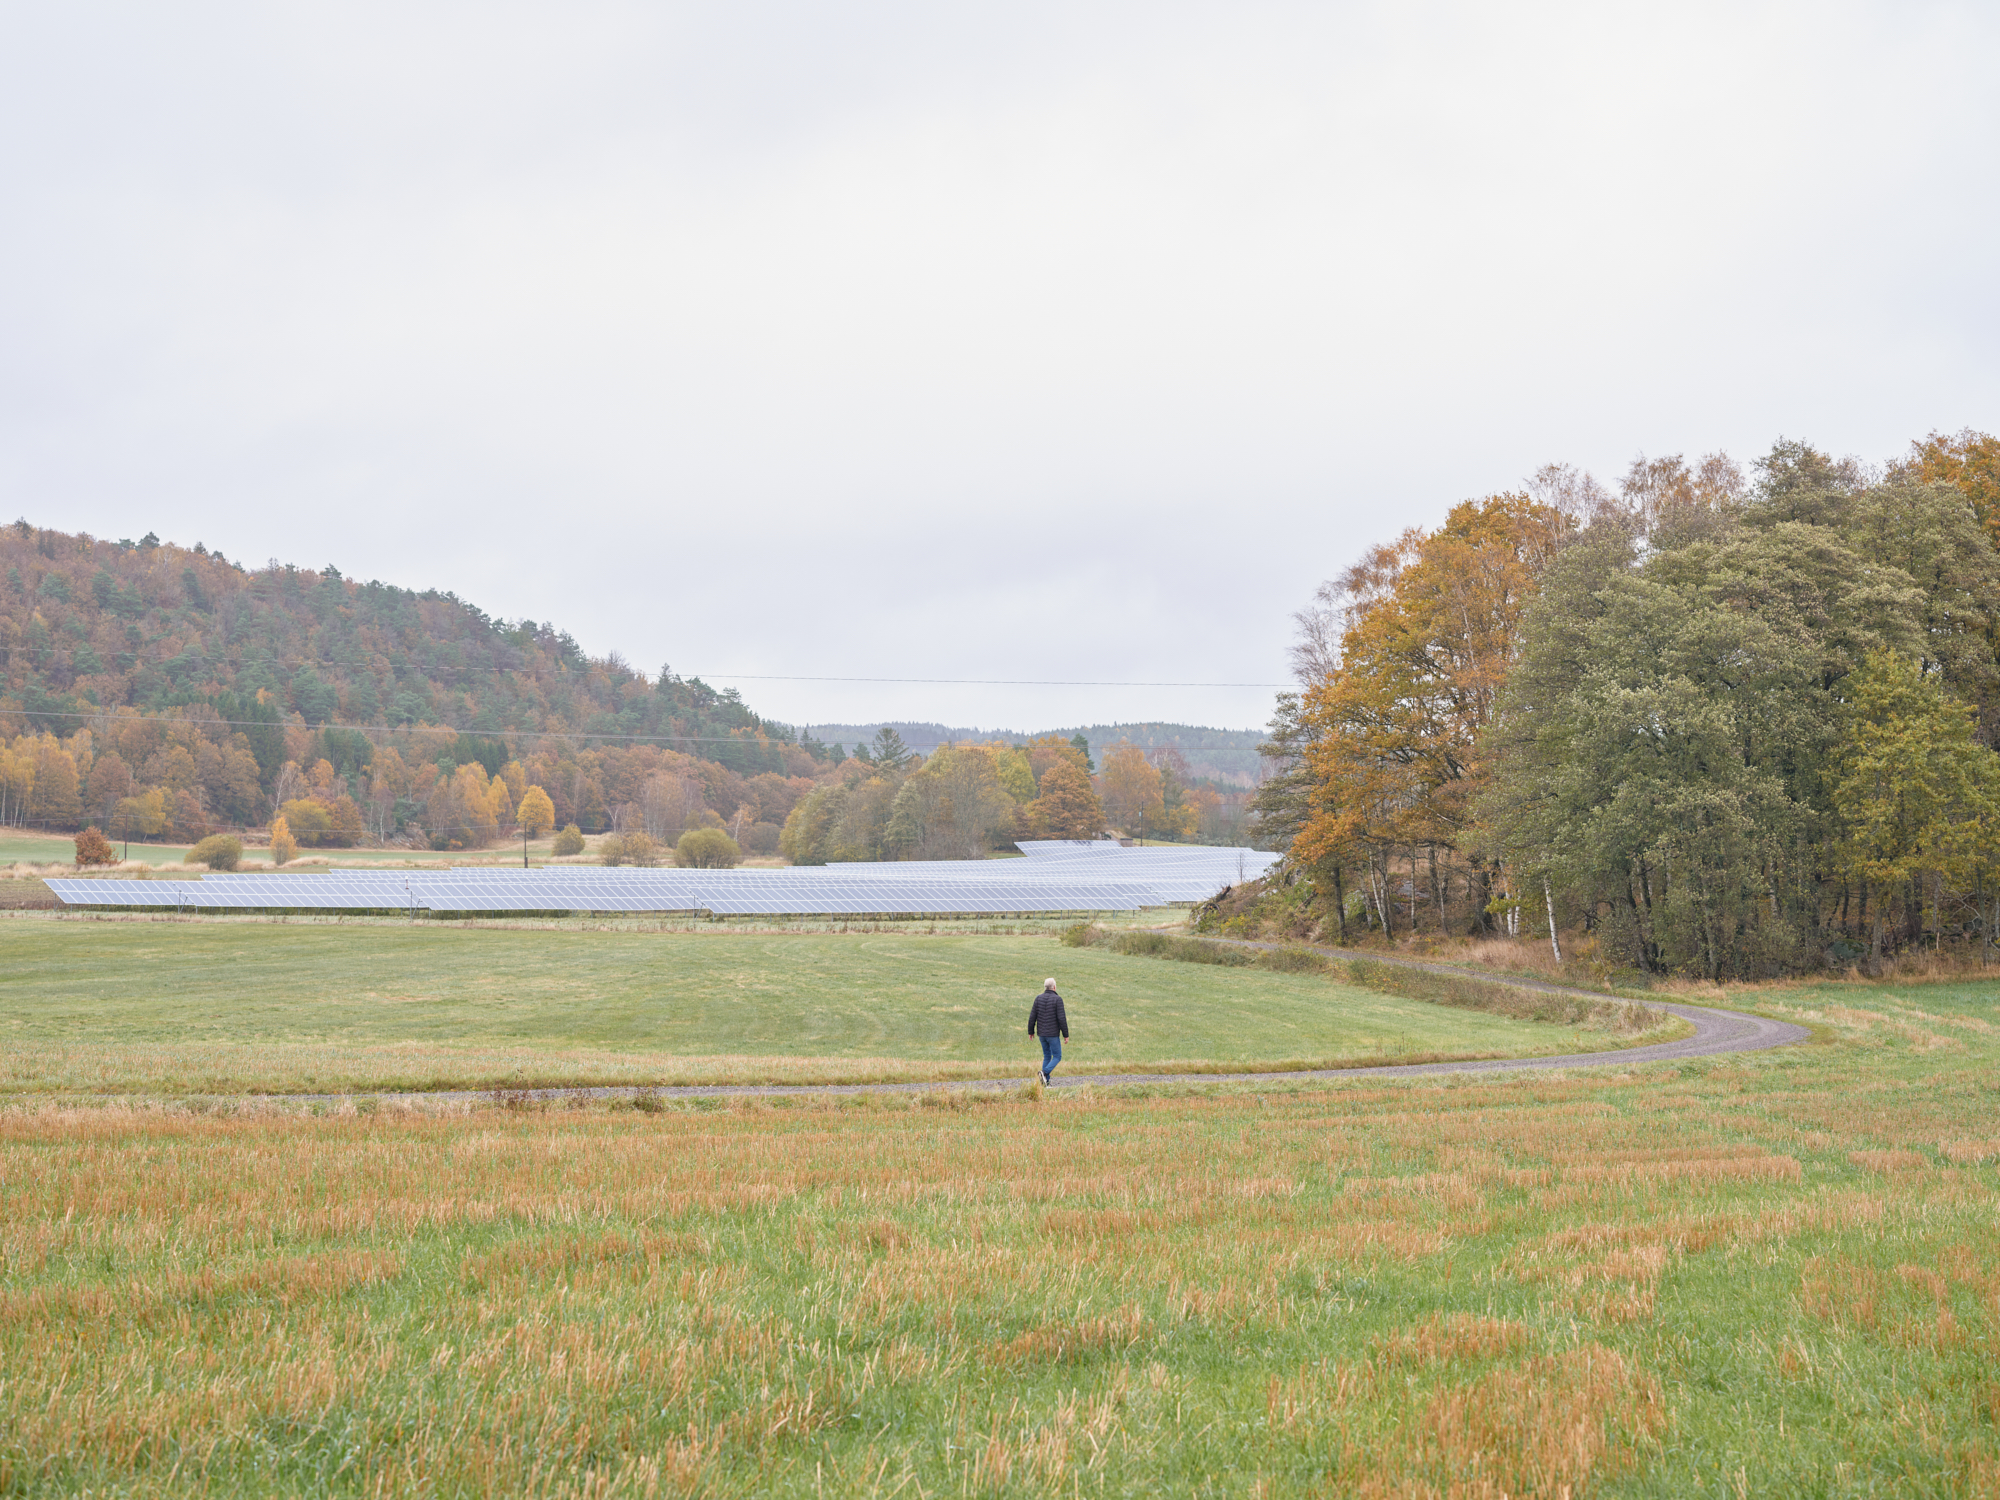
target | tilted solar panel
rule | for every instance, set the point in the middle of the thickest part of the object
(1055, 876)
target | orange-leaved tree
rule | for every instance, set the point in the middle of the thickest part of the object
(1970, 460)
(1131, 789)
(1391, 730)
(93, 848)
(1067, 807)
(284, 848)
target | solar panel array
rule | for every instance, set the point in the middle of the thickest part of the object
(1055, 877)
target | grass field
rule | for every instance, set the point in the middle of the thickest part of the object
(39, 849)
(228, 1006)
(1775, 1274)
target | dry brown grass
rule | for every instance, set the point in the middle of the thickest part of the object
(1472, 1287)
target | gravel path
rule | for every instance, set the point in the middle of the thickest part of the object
(1715, 1032)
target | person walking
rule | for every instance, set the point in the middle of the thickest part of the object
(1048, 1020)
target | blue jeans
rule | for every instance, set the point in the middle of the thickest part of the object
(1051, 1054)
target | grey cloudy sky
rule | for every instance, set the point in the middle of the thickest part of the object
(1026, 341)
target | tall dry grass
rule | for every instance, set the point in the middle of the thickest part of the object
(1532, 1287)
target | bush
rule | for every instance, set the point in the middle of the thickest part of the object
(568, 842)
(284, 848)
(310, 821)
(630, 849)
(1184, 950)
(707, 849)
(763, 838)
(218, 851)
(93, 848)
(1293, 959)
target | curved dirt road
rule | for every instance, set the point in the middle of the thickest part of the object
(1716, 1032)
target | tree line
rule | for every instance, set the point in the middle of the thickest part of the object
(1726, 724)
(966, 801)
(154, 691)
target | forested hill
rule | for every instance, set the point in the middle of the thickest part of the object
(88, 626)
(1227, 757)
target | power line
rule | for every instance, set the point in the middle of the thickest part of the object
(110, 714)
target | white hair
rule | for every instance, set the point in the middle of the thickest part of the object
(1048, 984)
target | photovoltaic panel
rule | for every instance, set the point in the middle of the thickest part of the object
(1055, 876)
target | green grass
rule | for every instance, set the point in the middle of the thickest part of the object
(38, 849)
(1773, 1275)
(225, 1006)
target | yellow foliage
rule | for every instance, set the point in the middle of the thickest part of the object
(536, 814)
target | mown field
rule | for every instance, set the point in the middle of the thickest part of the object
(222, 1007)
(1776, 1274)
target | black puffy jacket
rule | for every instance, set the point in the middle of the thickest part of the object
(1046, 1016)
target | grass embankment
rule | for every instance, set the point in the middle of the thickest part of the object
(1768, 1274)
(230, 1007)
(1494, 994)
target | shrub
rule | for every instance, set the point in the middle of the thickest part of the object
(568, 842)
(1293, 959)
(707, 849)
(308, 821)
(284, 848)
(218, 851)
(630, 849)
(1185, 950)
(763, 838)
(93, 848)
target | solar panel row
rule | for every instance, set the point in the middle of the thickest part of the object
(1052, 879)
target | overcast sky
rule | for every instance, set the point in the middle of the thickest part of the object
(1044, 342)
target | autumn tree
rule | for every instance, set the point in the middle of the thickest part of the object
(1131, 789)
(92, 848)
(344, 826)
(308, 820)
(536, 814)
(952, 807)
(1067, 807)
(284, 848)
(1017, 774)
(140, 816)
(55, 800)
(110, 779)
(847, 820)
(1389, 739)
(1968, 460)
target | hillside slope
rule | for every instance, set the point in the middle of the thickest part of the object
(152, 667)
(1225, 757)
